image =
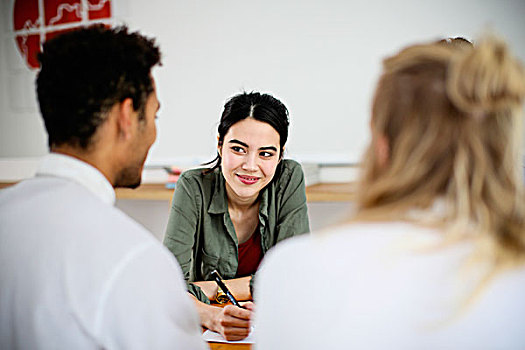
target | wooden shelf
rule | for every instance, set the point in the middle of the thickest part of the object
(326, 192)
(146, 192)
(6, 184)
(331, 192)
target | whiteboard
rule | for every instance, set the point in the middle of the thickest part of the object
(321, 58)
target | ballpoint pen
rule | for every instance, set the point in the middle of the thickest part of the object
(225, 289)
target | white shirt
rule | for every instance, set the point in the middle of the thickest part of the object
(383, 286)
(77, 273)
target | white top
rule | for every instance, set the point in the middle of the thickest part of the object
(77, 273)
(383, 286)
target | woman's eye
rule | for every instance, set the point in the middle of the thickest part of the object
(237, 149)
(266, 154)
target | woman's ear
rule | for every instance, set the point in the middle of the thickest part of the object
(382, 150)
(219, 145)
(282, 154)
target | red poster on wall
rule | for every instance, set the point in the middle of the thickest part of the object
(35, 21)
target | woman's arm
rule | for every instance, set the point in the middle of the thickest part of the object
(239, 287)
(232, 322)
(182, 223)
(181, 230)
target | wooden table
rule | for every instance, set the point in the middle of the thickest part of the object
(229, 346)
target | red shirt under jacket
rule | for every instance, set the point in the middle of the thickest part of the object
(250, 255)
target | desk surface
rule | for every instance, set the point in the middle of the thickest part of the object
(228, 346)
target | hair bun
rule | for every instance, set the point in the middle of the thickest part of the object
(486, 79)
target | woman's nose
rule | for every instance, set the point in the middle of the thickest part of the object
(250, 163)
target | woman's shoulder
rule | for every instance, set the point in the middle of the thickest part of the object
(361, 236)
(198, 175)
(289, 180)
(377, 233)
(197, 181)
(355, 244)
(290, 172)
(291, 165)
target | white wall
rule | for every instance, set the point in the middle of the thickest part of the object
(321, 58)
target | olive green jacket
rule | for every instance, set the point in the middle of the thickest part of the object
(200, 232)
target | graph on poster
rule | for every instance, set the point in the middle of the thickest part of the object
(35, 21)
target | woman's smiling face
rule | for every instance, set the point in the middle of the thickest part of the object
(250, 154)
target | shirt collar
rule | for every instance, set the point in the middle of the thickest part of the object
(60, 165)
(219, 199)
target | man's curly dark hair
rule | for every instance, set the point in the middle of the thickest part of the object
(85, 72)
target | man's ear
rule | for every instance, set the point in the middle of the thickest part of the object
(282, 154)
(125, 118)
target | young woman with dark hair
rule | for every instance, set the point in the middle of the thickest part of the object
(226, 217)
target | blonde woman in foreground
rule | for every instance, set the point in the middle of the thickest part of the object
(434, 257)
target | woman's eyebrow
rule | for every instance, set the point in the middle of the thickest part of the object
(239, 142)
(269, 148)
(265, 148)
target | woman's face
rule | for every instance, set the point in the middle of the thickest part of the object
(250, 153)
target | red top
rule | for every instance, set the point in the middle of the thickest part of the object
(250, 255)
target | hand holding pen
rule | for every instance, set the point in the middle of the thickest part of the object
(233, 322)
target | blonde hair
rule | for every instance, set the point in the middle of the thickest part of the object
(452, 122)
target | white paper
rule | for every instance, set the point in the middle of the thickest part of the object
(210, 336)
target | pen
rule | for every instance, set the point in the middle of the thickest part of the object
(226, 291)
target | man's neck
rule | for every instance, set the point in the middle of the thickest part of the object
(86, 157)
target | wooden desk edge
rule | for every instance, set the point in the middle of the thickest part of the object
(323, 192)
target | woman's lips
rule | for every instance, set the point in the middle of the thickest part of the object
(248, 180)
